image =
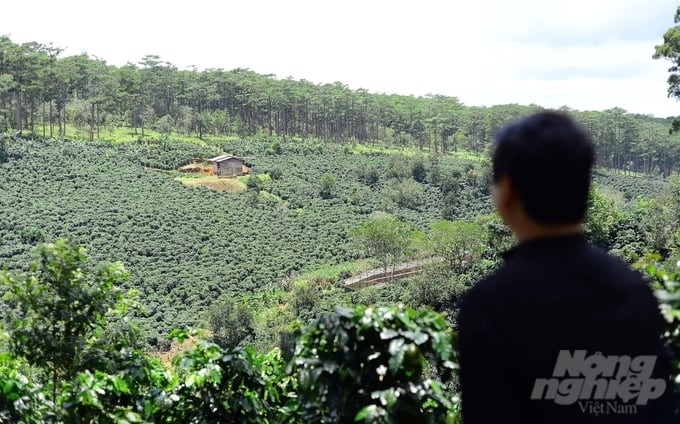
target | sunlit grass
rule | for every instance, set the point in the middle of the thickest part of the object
(467, 155)
(614, 171)
(365, 149)
(128, 135)
(267, 196)
(232, 185)
(332, 273)
(413, 151)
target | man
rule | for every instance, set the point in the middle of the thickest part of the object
(563, 332)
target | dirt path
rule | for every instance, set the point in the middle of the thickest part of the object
(378, 275)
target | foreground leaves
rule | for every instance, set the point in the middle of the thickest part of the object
(367, 364)
(68, 357)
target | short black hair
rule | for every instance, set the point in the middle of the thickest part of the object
(548, 157)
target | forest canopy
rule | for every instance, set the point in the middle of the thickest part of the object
(45, 94)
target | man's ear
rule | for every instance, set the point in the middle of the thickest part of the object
(505, 192)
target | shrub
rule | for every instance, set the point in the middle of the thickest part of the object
(327, 185)
(231, 324)
(366, 365)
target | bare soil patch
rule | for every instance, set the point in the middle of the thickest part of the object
(213, 182)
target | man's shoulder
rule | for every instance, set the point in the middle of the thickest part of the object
(498, 280)
(524, 278)
(609, 267)
(485, 290)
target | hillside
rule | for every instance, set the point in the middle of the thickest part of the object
(187, 246)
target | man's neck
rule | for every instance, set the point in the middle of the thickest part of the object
(535, 231)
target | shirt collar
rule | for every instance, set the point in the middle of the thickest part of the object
(543, 243)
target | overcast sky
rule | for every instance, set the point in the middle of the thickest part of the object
(585, 54)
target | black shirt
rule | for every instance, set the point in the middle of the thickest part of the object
(561, 297)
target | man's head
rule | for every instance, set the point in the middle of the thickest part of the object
(541, 168)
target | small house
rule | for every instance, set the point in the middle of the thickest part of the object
(226, 165)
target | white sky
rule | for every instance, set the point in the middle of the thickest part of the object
(585, 54)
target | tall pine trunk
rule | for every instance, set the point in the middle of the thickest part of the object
(19, 122)
(51, 122)
(91, 132)
(44, 134)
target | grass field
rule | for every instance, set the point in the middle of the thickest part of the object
(128, 135)
(232, 185)
(412, 151)
(333, 273)
(119, 135)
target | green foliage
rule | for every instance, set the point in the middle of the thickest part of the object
(22, 400)
(369, 175)
(438, 288)
(31, 235)
(383, 295)
(70, 323)
(134, 392)
(674, 199)
(57, 308)
(254, 183)
(658, 222)
(631, 215)
(327, 185)
(405, 193)
(3, 148)
(398, 168)
(232, 386)
(418, 171)
(165, 126)
(601, 217)
(305, 298)
(230, 324)
(630, 187)
(185, 242)
(275, 149)
(499, 237)
(385, 238)
(152, 99)
(670, 51)
(667, 289)
(181, 242)
(367, 365)
(459, 243)
(465, 191)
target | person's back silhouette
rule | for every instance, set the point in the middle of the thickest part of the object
(562, 332)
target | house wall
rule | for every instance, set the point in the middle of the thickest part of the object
(229, 167)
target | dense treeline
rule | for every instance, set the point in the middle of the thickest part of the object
(48, 95)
